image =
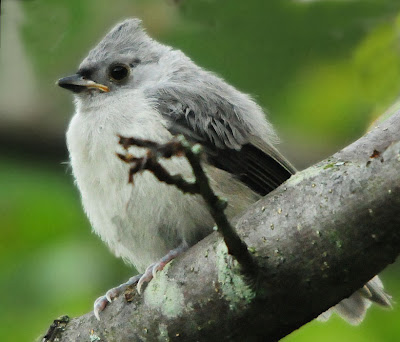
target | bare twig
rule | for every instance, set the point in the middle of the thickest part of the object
(181, 147)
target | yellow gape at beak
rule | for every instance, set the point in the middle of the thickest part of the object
(78, 83)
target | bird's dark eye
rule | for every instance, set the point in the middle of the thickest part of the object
(118, 72)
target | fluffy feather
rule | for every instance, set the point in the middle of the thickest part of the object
(164, 94)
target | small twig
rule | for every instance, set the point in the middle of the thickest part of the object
(178, 147)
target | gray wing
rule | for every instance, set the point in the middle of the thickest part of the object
(209, 118)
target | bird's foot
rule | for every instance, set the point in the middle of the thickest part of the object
(152, 270)
(101, 302)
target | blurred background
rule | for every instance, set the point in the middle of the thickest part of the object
(323, 70)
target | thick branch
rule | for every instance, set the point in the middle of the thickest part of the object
(317, 238)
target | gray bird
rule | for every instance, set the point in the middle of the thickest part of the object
(131, 85)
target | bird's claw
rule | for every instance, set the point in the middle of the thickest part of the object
(113, 293)
(151, 271)
(99, 305)
(145, 278)
(101, 302)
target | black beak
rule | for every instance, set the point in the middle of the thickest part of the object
(78, 83)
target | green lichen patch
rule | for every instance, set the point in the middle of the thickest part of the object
(163, 333)
(328, 166)
(335, 239)
(164, 295)
(233, 287)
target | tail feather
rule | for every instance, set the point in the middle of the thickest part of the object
(378, 294)
(354, 308)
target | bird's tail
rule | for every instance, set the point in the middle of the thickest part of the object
(353, 309)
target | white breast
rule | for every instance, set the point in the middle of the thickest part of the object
(141, 222)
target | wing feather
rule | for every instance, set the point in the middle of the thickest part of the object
(206, 115)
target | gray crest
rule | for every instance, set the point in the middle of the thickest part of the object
(127, 38)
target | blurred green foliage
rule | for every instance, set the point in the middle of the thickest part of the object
(50, 262)
(323, 69)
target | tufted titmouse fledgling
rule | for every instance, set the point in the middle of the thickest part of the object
(131, 85)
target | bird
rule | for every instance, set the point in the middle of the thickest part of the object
(131, 85)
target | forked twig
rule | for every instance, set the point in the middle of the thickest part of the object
(179, 146)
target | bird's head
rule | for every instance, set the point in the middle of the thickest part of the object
(124, 59)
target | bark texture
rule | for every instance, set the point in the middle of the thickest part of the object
(316, 239)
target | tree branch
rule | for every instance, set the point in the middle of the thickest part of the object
(316, 239)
